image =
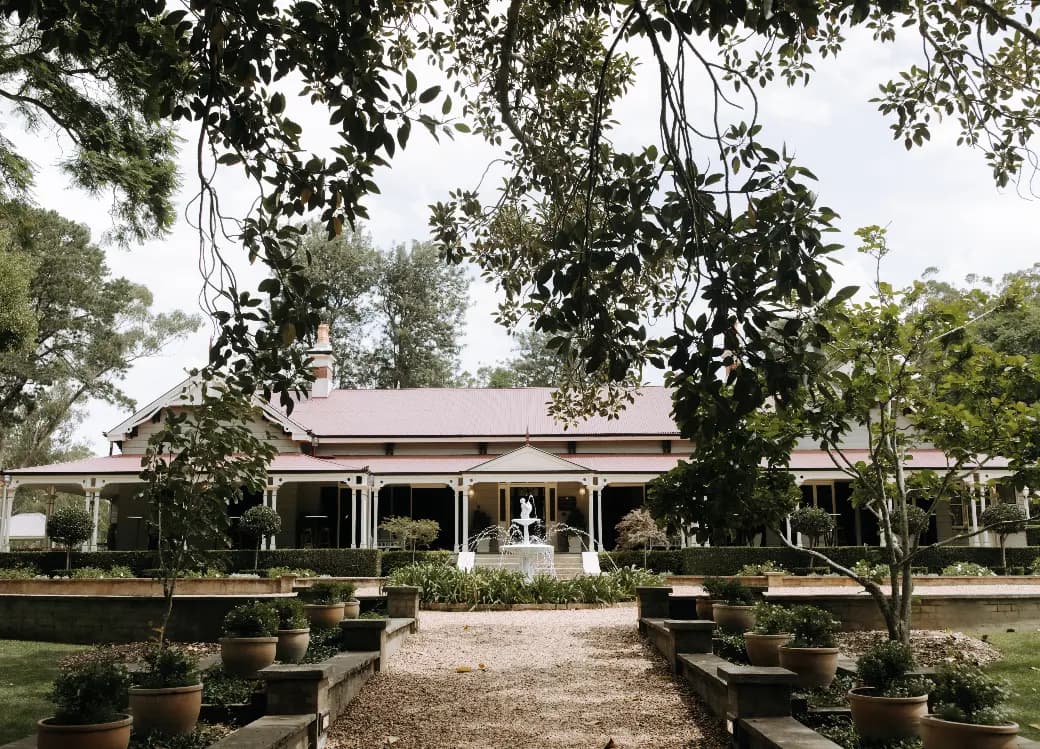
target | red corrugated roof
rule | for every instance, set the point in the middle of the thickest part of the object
(472, 412)
(124, 464)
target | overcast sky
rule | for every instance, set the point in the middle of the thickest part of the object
(939, 202)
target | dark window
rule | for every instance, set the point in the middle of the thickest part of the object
(666, 447)
(572, 448)
(482, 448)
(388, 448)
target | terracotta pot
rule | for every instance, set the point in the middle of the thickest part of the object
(114, 735)
(704, 608)
(352, 609)
(173, 710)
(734, 619)
(292, 645)
(324, 616)
(816, 667)
(244, 656)
(886, 717)
(764, 650)
(945, 734)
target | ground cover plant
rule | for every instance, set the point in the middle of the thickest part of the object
(439, 584)
(27, 670)
(218, 688)
(203, 736)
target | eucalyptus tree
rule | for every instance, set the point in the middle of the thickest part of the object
(88, 328)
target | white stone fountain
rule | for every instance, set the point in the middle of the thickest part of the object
(532, 554)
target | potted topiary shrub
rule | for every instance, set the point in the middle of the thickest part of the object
(811, 653)
(713, 587)
(734, 611)
(771, 630)
(167, 695)
(89, 709)
(261, 522)
(968, 711)
(890, 704)
(70, 526)
(250, 638)
(324, 604)
(294, 632)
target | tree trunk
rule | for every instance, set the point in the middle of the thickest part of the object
(68, 558)
(256, 556)
(1003, 553)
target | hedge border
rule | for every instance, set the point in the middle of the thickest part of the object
(726, 560)
(335, 562)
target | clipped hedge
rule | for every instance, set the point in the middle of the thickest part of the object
(726, 560)
(336, 562)
(391, 561)
(660, 562)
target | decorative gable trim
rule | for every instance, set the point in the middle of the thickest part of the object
(528, 459)
(176, 396)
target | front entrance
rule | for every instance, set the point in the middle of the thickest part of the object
(537, 494)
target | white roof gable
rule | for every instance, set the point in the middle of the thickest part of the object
(186, 392)
(528, 459)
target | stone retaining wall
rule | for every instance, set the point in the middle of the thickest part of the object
(145, 586)
(93, 620)
(966, 612)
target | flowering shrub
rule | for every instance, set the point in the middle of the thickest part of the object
(967, 569)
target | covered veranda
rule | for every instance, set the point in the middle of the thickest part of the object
(299, 487)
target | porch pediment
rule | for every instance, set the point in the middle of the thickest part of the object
(528, 459)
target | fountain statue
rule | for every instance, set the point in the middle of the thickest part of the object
(531, 554)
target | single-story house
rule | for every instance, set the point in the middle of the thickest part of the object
(347, 459)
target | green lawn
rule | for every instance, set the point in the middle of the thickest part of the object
(26, 672)
(1020, 667)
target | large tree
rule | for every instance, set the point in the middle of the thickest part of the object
(346, 269)
(1013, 328)
(906, 370)
(533, 364)
(395, 316)
(88, 329)
(422, 303)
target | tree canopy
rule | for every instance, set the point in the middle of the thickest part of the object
(395, 316)
(533, 364)
(88, 329)
(583, 236)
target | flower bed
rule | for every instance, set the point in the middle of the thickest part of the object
(496, 587)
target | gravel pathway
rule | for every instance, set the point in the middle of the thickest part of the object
(547, 679)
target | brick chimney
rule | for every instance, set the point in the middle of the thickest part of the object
(322, 364)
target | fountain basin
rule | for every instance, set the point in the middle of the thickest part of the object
(532, 556)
